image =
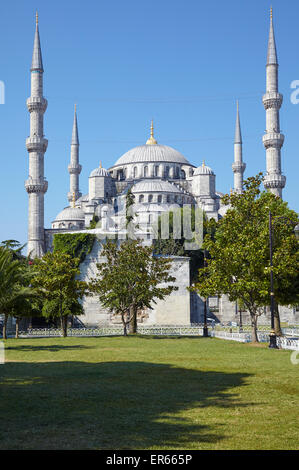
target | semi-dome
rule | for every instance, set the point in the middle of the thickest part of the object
(152, 153)
(203, 170)
(70, 214)
(153, 186)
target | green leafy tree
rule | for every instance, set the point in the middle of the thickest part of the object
(174, 246)
(130, 279)
(15, 287)
(240, 260)
(56, 281)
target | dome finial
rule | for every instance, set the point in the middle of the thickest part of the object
(271, 12)
(100, 163)
(151, 140)
(36, 18)
(203, 163)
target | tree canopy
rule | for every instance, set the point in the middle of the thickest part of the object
(240, 259)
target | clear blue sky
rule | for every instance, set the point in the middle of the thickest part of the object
(183, 63)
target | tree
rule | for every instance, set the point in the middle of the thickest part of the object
(176, 246)
(56, 282)
(14, 285)
(130, 279)
(240, 261)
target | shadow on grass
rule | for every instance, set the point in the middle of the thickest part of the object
(112, 405)
(49, 347)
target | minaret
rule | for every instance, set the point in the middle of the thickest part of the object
(238, 166)
(74, 168)
(36, 185)
(273, 140)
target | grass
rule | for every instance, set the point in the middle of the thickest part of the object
(147, 393)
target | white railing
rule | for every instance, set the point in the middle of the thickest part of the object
(288, 343)
(283, 342)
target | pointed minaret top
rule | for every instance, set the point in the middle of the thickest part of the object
(37, 61)
(75, 137)
(238, 136)
(272, 53)
(152, 140)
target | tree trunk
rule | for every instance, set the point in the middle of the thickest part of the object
(277, 327)
(17, 327)
(4, 332)
(254, 337)
(64, 325)
(124, 324)
(133, 320)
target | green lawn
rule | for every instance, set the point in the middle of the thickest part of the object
(147, 393)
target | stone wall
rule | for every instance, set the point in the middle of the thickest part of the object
(174, 310)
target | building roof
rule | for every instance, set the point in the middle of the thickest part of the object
(203, 170)
(155, 186)
(70, 213)
(99, 172)
(152, 153)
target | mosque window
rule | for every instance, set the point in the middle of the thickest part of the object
(167, 172)
(190, 171)
(145, 171)
(150, 198)
(135, 172)
(175, 199)
(177, 172)
(183, 175)
(159, 198)
(141, 198)
(168, 198)
(156, 170)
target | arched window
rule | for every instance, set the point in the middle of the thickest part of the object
(183, 175)
(150, 198)
(167, 172)
(168, 198)
(190, 171)
(160, 198)
(135, 172)
(141, 198)
(156, 170)
(145, 172)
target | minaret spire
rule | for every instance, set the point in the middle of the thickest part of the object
(36, 185)
(37, 61)
(74, 167)
(238, 166)
(273, 140)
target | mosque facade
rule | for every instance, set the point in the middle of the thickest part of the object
(158, 176)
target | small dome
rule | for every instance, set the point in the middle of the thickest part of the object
(100, 171)
(203, 170)
(70, 214)
(155, 186)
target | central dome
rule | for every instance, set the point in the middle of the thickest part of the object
(152, 153)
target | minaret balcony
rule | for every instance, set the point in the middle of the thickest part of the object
(274, 180)
(238, 167)
(36, 144)
(36, 185)
(37, 103)
(74, 169)
(273, 139)
(272, 99)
